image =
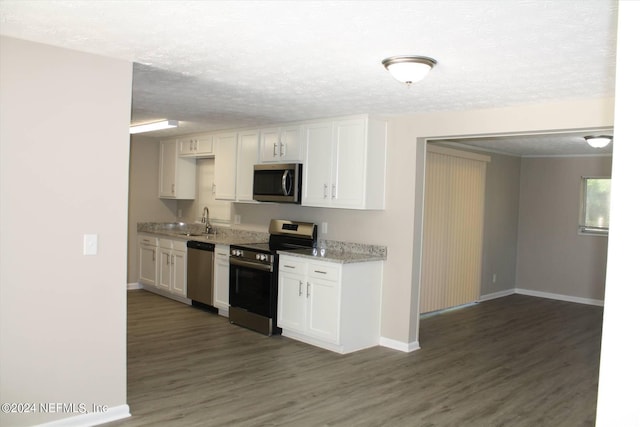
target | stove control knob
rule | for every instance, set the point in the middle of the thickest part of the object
(263, 257)
(258, 257)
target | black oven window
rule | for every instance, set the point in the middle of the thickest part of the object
(251, 290)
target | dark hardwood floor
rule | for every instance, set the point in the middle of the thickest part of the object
(514, 361)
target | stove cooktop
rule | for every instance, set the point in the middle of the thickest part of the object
(259, 247)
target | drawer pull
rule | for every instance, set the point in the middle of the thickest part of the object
(319, 272)
(288, 266)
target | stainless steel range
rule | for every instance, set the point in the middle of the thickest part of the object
(253, 274)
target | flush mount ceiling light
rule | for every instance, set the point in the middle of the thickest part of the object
(598, 141)
(409, 68)
(148, 127)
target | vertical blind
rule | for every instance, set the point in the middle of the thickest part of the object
(453, 229)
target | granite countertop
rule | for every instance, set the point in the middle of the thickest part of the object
(336, 251)
(220, 236)
(335, 255)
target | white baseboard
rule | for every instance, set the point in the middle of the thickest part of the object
(133, 286)
(560, 297)
(399, 345)
(495, 295)
(92, 418)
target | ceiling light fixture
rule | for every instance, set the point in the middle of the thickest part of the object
(598, 141)
(409, 69)
(148, 127)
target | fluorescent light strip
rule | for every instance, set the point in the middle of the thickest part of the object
(165, 124)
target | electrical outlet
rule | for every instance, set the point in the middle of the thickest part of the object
(90, 244)
(324, 228)
(237, 219)
(495, 277)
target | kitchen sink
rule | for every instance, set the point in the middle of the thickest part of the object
(191, 234)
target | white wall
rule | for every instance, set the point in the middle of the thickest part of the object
(64, 155)
(552, 256)
(499, 246)
(620, 356)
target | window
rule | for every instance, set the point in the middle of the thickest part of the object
(594, 212)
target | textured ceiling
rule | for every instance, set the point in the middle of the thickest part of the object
(559, 144)
(226, 64)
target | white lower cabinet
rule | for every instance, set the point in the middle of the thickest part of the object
(221, 280)
(331, 305)
(147, 260)
(172, 267)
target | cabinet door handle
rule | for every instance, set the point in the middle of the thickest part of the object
(283, 148)
(173, 259)
(308, 293)
(325, 190)
(173, 188)
(153, 255)
(333, 191)
(168, 260)
(275, 149)
(289, 266)
(299, 288)
(319, 272)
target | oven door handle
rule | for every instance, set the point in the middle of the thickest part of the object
(249, 264)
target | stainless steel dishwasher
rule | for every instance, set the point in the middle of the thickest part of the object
(200, 262)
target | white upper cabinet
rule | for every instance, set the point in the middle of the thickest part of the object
(225, 165)
(316, 170)
(177, 175)
(247, 157)
(345, 162)
(200, 146)
(281, 144)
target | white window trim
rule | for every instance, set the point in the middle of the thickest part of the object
(584, 230)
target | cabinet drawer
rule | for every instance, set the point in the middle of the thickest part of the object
(165, 243)
(180, 245)
(147, 240)
(293, 266)
(324, 271)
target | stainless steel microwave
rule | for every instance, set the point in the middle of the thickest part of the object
(279, 182)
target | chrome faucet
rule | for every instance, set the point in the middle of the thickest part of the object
(205, 220)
